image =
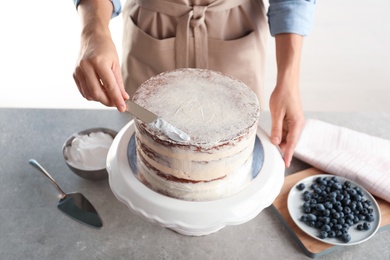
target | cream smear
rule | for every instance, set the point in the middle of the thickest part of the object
(169, 130)
(89, 152)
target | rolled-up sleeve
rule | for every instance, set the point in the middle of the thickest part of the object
(291, 16)
(115, 3)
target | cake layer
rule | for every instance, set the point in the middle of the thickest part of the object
(196, 191)
(210, 107)
(190, 163)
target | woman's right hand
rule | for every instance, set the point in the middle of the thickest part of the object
(98, 74)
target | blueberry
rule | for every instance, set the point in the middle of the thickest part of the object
(328, 205)
(350, 222)
(341, 221)
(346, 237)
(347, 210)
(318, 224)
(320, 207)
(340, 197)
(359, 227)
(326, 213)
(325, 220)
(331, 234)
(357, 197)
(317, 190)
(370, 218)
(325, 228)
(311, 217)
(366, 226)
(303, 218)
(346, 202)
(337, 227)
(337, 186)
(352, 192)
(301, 186)
(323, 234)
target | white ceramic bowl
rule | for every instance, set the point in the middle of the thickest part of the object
(94, 175)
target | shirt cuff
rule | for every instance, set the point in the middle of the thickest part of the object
(291, 16)
(117, 7)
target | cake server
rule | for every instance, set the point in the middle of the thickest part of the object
(74, 205)
(150, 118)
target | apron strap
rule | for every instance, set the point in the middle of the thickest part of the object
(193, 16)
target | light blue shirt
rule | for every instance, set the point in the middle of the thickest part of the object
(116, 4)
(291, 16)
(284, 16)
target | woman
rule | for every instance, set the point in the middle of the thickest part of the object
(222, 35)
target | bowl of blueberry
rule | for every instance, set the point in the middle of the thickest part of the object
(334, 210)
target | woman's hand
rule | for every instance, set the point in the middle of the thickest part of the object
(285, 102)
(287, 120)
(97, 73)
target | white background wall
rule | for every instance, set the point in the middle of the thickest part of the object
(345, 63)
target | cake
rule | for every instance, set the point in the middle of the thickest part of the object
(218, 113)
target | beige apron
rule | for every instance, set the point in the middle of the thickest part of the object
(222, 35)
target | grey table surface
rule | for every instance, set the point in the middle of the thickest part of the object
(32, 227)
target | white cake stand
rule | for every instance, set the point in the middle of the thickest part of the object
(194, 218)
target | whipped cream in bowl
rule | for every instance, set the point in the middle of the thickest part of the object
(85, 152)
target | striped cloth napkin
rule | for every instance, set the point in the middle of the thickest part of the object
(337, 150)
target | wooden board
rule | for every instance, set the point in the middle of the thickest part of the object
(312, 247)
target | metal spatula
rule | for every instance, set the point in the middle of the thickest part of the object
(74, 205)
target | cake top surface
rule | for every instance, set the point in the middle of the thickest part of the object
(207, 105)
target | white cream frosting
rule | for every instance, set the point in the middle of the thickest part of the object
(190, 164)
(89, 152)
(169, 130)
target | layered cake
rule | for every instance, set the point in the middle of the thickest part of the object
(218, 113)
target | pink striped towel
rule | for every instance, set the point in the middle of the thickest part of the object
(357, 156)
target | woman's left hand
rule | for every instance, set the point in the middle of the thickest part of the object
(287, 120)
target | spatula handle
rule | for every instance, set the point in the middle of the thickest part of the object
(42, 170)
